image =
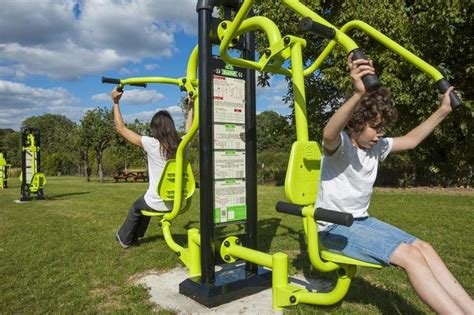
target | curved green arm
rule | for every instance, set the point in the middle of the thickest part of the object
(240, 26)
(178, 195)
(191, 70)
(141, 80)
(340, 37)
(313, 242)
(395, 47)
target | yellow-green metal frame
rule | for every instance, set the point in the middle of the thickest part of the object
(3, 166)
(38, 179)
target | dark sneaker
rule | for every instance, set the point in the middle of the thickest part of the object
(120, 242)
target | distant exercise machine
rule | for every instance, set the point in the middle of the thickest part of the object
(31, 177)
(4, 172)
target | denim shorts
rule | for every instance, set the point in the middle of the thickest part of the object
(368, 239)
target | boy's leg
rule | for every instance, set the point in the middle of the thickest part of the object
(445, 277)
(421, 277)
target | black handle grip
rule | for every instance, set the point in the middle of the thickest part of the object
(332, 216)
(371, 81)
(307, 24)
(443, 86)
(320, 214)
(110, 80)
(289, 208)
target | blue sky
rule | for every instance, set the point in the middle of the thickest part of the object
(53, 54)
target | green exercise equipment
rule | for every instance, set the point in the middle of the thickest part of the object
(4, 172)
(31, 177)
(205, 250)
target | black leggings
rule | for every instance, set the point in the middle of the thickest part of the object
(135, 224)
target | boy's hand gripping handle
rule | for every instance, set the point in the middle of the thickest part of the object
(371, 81)
(443, 86)
(320, 214)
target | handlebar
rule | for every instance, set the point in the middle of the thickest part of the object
(118, 81)
(371, 81)
(320, 214)
(443, 86)
(308, 25)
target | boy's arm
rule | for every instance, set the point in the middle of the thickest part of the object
(332, 130)
(419, 133)
(128, 134)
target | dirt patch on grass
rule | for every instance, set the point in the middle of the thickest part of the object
(430, 190)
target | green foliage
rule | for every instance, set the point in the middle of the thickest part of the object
(125, 154)
(271, 167)
(274, 132)
(11, 146)
(440, 33)
(58, 139)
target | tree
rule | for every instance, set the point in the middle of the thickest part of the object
(97, 131)
(127, 153)
(58, 147)
(11, 146)
(438, 32)
(274, 132)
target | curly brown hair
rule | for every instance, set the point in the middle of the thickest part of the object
(375, 106)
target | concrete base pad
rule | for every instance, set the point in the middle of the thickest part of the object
(164, 289)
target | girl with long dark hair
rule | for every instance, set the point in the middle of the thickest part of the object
(159, 148)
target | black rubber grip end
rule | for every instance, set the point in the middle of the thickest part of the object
(443, 86)
(371, 81)
(308, 25)
(289, 208)
(332, 216)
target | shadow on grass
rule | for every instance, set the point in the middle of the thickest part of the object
(60, 196)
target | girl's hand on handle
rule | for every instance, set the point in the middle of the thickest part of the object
(116, 95)
(358, 69)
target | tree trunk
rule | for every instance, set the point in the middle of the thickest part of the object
(87, 169)
(98, 156)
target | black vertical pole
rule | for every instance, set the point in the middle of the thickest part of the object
(251, 148)
(206, 158)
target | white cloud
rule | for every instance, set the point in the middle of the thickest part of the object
(151, 67)
(137, 97)
(47, 38)
(20, 101)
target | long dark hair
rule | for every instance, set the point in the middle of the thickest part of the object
(163, 129)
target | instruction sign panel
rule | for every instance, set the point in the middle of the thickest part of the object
(229, 136)
(229, 142)
(229, 164)
(230, 203)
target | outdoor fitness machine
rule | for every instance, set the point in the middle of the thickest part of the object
(4, 172)
(227, 150)
(31, 177)
(304, 165)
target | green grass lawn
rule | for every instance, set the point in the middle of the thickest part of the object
(60, 255)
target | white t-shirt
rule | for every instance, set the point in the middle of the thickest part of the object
(348, 176)
(156, 164)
